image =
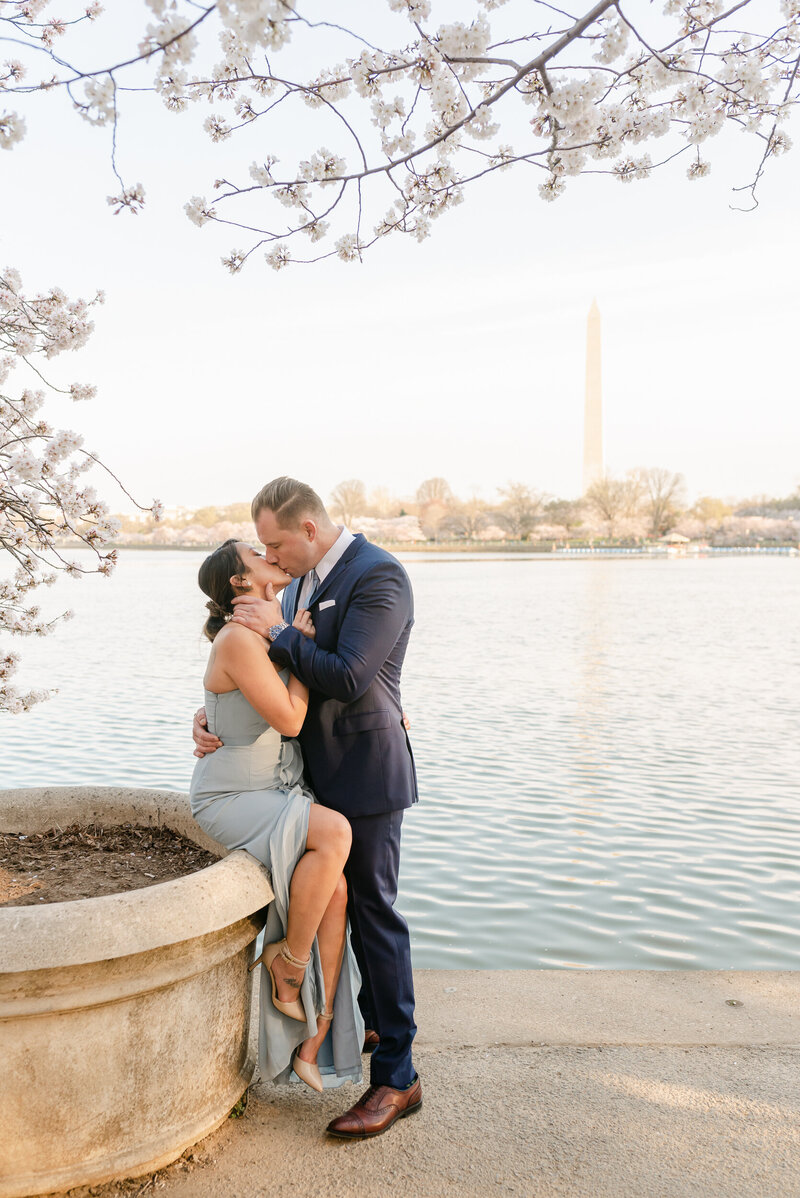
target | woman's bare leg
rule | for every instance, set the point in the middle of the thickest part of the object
(314, 882)
(330, 938)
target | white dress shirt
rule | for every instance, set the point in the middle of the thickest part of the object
(315, 577)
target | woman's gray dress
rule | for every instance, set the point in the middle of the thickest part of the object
(250, 795)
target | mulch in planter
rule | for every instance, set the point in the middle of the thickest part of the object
(86, 861)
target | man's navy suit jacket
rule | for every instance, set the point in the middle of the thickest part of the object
(357, 755)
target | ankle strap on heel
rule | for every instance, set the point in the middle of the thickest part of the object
(324, 1015)
(286, 953)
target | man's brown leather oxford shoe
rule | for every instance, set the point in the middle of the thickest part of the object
(376, 1111)
(371, 1040)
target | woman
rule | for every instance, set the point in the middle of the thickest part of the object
(249, 794)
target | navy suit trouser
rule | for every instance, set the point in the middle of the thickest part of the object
(381, 944)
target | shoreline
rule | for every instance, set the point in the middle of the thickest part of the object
(536, 550)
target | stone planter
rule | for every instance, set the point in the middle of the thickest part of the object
(123, 1019)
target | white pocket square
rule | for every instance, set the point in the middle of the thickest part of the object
(327, 603)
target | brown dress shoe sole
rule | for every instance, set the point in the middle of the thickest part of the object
(369, 1135)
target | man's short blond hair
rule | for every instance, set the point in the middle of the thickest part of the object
(289, 501)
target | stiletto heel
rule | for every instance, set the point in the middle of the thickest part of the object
(308, 1071)
(295, 1008)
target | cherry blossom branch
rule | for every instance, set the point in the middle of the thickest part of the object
(43, 495)
(599, 85)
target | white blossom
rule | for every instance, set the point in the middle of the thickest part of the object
(53, 30)
(383, 112)
(172, 38)
(348, 248)
(25, 465)
(633, 168)
(258, 23)
(322, 167)
(261, 172)
(234, 261)
(62, 445)
(8, 664)
(14, 72)
(199, 210)
(503, 158)
(415, 10)
(330, 86)
(317, 229)
(278, 257)
(12, 129)
(365, 73)
(481, 126)
(780, 143)
(99, 106)
(82, 391)
(458, 41)
(552, 188)
(294, 195)
(216, 128)
(131, 198)
(614, 42)
(698, 169)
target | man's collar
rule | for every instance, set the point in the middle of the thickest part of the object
(332, 556)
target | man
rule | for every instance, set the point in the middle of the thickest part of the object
(357, 756)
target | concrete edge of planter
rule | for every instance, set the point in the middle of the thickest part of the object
(134, 921)
(136, 1161)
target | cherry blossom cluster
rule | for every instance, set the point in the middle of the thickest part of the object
(405, 126)
(44, 495)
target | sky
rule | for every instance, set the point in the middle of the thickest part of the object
(461, 357)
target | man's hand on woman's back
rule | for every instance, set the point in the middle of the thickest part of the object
(205, 741)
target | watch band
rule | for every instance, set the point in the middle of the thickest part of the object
(276, 629)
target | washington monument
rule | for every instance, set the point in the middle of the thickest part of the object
(593, 409)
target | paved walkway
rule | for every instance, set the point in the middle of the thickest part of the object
(546, 1084)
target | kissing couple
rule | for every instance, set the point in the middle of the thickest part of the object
(305, 762)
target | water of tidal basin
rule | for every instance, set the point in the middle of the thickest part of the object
(608, 750)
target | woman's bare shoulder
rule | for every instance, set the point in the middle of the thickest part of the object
(234, 639)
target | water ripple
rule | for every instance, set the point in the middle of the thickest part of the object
(608, 774)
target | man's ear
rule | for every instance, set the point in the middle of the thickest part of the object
(310, 529)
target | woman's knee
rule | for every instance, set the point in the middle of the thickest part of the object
(342, 835)
(329, 831)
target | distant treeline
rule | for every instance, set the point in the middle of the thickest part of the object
(642, 505)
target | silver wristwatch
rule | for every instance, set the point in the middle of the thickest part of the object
(275, 630)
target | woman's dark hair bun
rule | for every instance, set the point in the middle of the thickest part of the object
(214, 578)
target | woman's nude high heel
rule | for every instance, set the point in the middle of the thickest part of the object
(308, 1071)
(293, 1009)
